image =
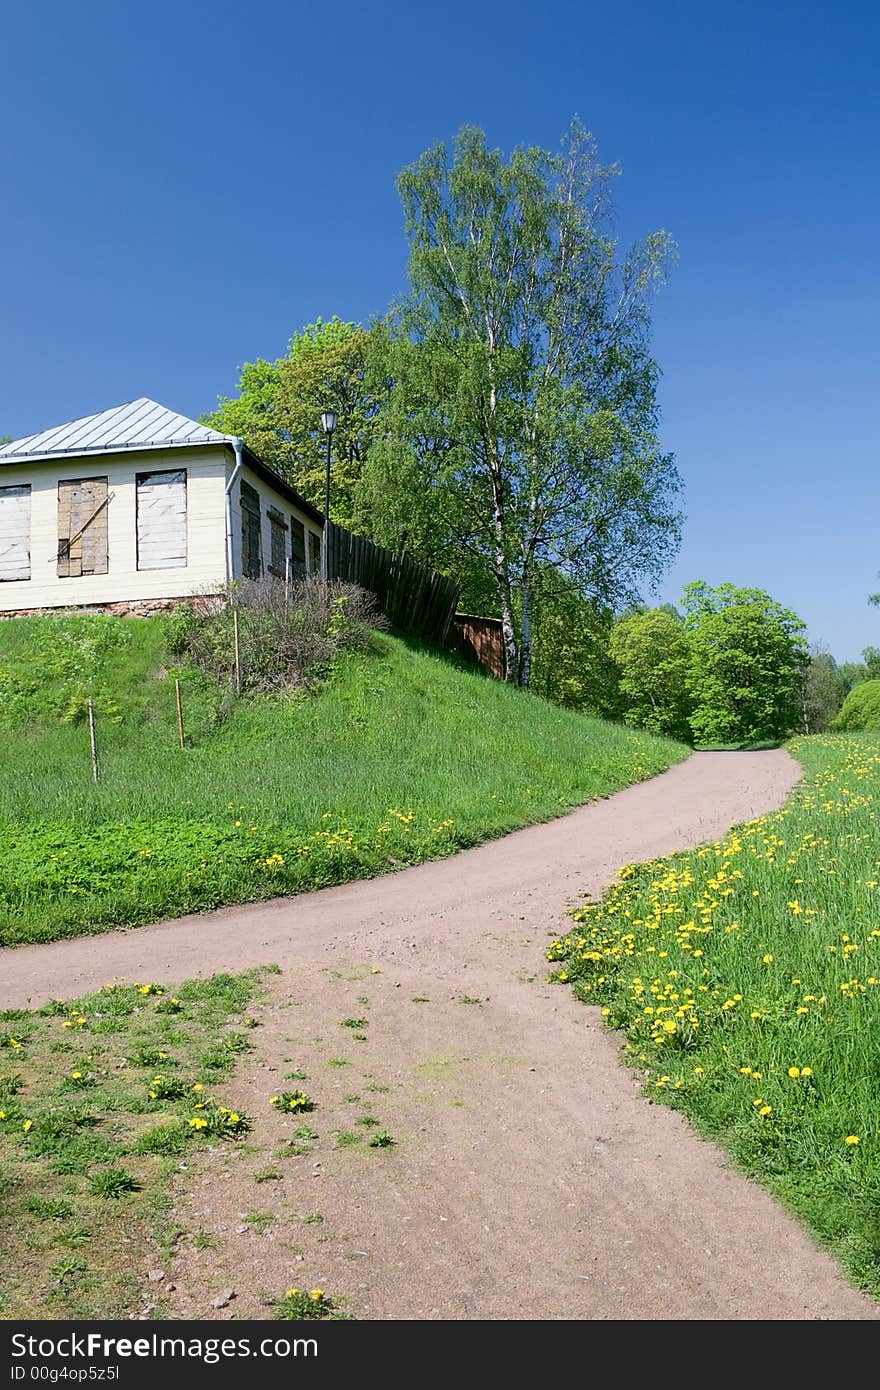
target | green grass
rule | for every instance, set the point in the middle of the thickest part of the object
(746, 978)
(90, 1145)
(403, 756)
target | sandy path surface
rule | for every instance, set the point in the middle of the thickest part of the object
(530, 1179)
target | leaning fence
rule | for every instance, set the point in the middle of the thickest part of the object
(413, 597)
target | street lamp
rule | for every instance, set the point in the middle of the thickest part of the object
(329, 421)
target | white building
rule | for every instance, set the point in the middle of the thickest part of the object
(138, 505)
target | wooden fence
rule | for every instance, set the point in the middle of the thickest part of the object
(413, 597)
(480, 639)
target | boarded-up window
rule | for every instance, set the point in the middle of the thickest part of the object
(314, 553)
(15, 532)
(82, 527)
(161, 520)
(278, 532)
(251, 549)
(297, 547)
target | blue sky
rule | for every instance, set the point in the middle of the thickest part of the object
(185, 184)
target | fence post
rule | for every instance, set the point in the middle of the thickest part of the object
(237, 655)
(92, 740)
(179, 711)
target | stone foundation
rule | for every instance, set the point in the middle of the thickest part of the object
(127, 608)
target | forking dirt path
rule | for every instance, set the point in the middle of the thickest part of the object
(530, 1178)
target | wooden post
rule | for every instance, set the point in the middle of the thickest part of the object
(287, 585)
(92, 740)
(237, 654)
(179, 712)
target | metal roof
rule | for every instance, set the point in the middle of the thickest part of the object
(140, 424)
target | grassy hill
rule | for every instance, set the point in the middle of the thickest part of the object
(402, 756)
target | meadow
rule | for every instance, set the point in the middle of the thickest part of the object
(401, 755)
(745, 978)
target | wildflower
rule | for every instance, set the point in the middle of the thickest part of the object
(806, 1071)
(76, 1075)
(292, 1293)
(29, 1124)
(766, 1110)
(794, 1071)
(316, 1295)
(767, 959)
(198, 1123)
(852, 1139)
(198, 1086)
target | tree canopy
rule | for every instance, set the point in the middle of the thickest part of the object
(652, 650)
(277, 411)
(520, 427)
(748, 659)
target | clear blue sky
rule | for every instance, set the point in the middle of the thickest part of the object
(184, 184)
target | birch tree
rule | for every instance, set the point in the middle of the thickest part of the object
(521, 423)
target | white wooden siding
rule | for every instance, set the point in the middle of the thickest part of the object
(15, 532)
(161, 520)
(205, 567)
(269, 500)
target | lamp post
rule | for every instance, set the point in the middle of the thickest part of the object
(329, 421)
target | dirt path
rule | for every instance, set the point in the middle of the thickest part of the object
(530, 1179)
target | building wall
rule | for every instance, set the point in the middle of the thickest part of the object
(123, 583)
(269, 498)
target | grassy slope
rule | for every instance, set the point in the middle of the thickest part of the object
(404, 756)
(746, 976)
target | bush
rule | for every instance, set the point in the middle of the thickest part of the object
(861, 708)
(283, 644)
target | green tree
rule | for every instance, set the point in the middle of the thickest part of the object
(824, 691)
(521, 427)
(852, 673)
(652, 651)
(748, 658)
(573, 665)
(871, 658)
(277, 411)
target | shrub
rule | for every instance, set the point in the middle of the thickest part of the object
(861, 708)
(282, 645)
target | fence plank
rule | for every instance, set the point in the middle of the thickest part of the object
(413, 597)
